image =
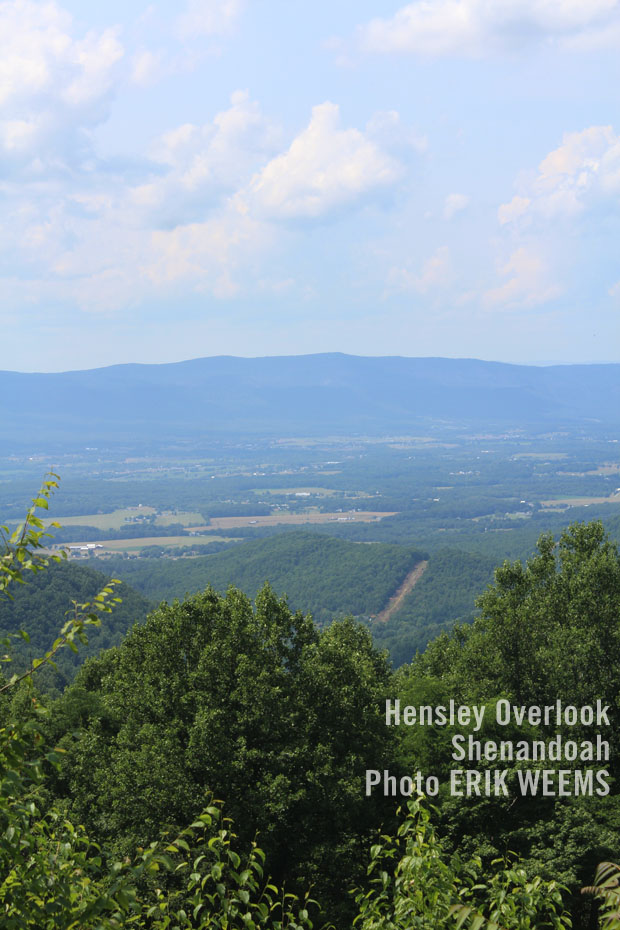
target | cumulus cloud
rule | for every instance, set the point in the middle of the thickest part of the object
(475, 28)
(326, 168)
(99, 242)
(101, 260)
(528, 282)
(146, 67)
(207, 255)
(200, 165)
(508, 212)
(208, 17)
(454, 203)
(212, 206)
(52, 83)
(582, 173)
(576, 183)
(434, 273)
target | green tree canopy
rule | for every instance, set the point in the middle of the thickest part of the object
(253, 704)
(548, 630)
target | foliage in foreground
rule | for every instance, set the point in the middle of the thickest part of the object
(250, 702)
(53, 875)
(548, 630)
(415, 883)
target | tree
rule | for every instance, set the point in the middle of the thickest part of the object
(548, 629)
(53, 876)
(250, 703)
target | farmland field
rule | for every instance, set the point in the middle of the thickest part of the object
(185, 518)
(127, 515)
(106, 521)
(320, 492)
(134, 545)
(581, 501)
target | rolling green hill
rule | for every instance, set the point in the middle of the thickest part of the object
(322, 575)
(325, 576)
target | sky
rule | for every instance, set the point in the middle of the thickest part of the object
(226, 177)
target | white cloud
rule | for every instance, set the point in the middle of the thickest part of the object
(575, 184)
(207, 255)
(146, 67)
(435, 272)
(92, 60)
(52, 83)
(528, 283)
(476, 28)
(208, 17)
(508, 212)
(581, 174)
(202, 165)
(92, 240)
(387, 130)
(454, 203)
(204, 218)
(101, 261)
(326, 168)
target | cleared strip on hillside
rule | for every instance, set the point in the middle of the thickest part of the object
(396, 600)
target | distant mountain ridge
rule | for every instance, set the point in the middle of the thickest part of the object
(307, 395)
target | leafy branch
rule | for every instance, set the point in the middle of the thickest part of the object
(22, 547)
(607, 889)
(25, 550)
(81, 616)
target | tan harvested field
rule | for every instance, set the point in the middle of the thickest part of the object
(294, 519)
(611, 469)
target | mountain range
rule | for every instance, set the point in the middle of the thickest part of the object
(309, 395)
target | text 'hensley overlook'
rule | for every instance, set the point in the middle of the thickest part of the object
(453, 714)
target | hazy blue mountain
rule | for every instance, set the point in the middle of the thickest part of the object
(301, 395)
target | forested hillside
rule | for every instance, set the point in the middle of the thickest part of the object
(331, 577)
(445, 594)
(327, 577)
(42, 606)
(253, 704)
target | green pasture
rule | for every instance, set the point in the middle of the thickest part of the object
(166, 542)
(126, 515)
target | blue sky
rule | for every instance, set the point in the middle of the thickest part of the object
(268, 178)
